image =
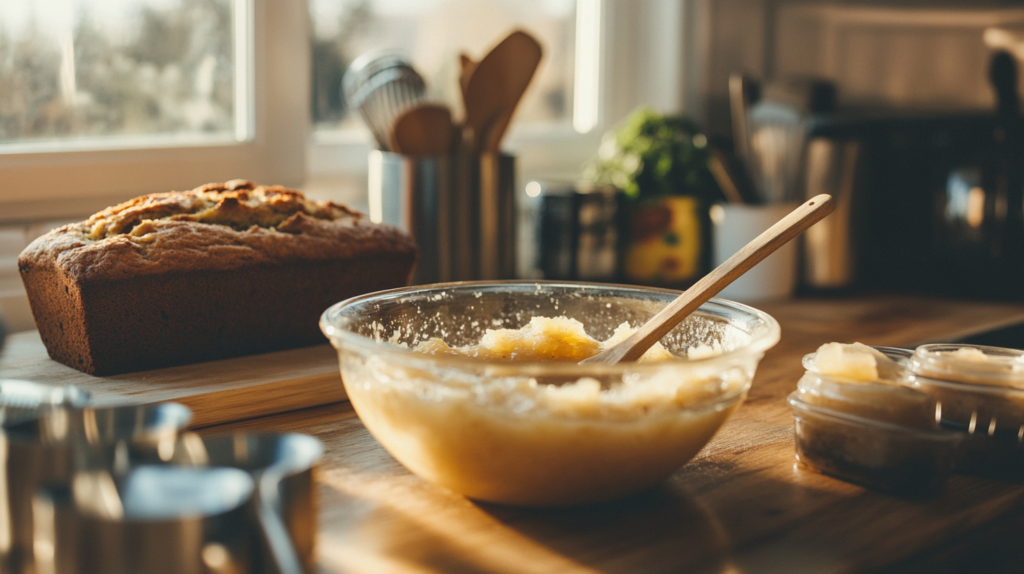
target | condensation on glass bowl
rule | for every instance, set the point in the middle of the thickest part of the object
(540, 433)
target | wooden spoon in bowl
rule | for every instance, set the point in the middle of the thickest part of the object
(801, 218)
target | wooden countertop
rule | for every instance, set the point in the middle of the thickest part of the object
(742, 505)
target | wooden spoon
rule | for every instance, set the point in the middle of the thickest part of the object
(495, 86)
(752, 253)
(466, 67)
(423, 129)
(497, 131)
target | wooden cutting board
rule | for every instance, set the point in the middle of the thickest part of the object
(216, 391)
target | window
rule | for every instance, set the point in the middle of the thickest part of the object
(432, 33)
(154, 71)
(239, 103)
(602, 59)
(103, 101)
(87, 120)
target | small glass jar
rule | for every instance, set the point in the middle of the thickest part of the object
(878, 433)
(884, 401)
(879, 454)
(982, 394)
(978, 364)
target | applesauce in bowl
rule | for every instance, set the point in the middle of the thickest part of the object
(540, 430)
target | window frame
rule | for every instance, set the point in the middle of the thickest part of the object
(76, 182)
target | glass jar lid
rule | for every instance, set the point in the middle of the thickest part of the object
(976, 364)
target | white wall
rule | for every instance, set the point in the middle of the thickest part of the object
(904, 55)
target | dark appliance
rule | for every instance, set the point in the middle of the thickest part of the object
(940, 198)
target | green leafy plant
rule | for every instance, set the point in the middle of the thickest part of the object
(653, 155)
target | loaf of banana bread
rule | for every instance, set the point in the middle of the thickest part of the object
(219, 271)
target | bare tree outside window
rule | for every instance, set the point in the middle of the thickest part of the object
(77, 69)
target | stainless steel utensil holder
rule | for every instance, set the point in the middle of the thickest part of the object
(460, 208)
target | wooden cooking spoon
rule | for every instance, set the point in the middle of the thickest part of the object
(423, 129)
(466, 67)
(495, 86)
(752, 253)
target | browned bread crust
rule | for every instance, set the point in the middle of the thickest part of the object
(222, 270)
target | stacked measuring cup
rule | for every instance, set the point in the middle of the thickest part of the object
(124, 489)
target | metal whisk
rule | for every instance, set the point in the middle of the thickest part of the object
(381, 85)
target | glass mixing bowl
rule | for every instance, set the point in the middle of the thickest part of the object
(540, 434)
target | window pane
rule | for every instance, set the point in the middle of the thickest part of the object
(432, 33)
(85, 69)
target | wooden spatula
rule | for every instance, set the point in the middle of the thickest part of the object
(752, 253)
(423, 129)
(466, 67)
(495, 86)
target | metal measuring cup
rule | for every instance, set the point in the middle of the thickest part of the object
(156, 519)
(52, 447)
(284, 509)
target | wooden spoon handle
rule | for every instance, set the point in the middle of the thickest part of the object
(801, 218)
